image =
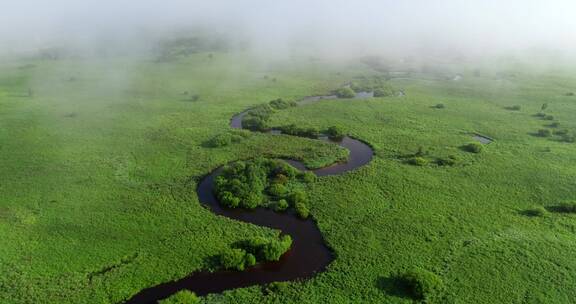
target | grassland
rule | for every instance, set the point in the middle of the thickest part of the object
(100, 159)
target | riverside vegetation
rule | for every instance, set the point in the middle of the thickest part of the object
(99, 178)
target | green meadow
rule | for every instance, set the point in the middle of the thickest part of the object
(100, 159)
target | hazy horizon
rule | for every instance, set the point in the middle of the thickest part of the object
(326, 27)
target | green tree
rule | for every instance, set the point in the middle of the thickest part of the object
(229, 200)
(281, 205)
(233, 258)
(422, 284)
(335, 133)
(277, 190)
(302, 210)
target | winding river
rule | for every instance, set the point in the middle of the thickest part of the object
(309, 253)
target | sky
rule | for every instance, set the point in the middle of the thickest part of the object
(473, 26)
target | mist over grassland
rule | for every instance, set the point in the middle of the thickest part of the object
(279, 29)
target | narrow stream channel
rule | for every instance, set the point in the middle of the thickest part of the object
(308, 254)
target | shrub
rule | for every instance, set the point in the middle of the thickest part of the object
(228, 199)
(548, 117)
(253, 123)
(473, 147)
(233, 258)
(383, 92)
(250, 260)
(307, 177)
(566, 207)
(448, 161)
(311, 132)
(561, 132)
(544, 133)
(540, 115)
(181, 297)
(440, 106)
(335, 133)
(294, 130)
(225, 139)
(297, 196)
(252, 200)
(302, 210)
(275, 249)
(277, 167)
(256, 119)
(290, 129)
(263, 111)
(267, 249)
(281, 205)
(570, 94)
(422, 284)
(536, 211)
(376, 84)
(554, 125)
(568, 138)
(280, 179)
(240, 133)
(220, 140)
(345, 93)
(280, 104)
(192, 97)
(544, 107)
(276, 287)
(421, 151)
(277, 190)
(418, 161)
(514, 108)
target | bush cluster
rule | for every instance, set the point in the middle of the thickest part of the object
(422, 284)
(377, 84)
(383, 92)
(264, 249)
(473, 147)
(537, 211)
(514, 108)
(565, 135)
(335, 133)
(248, 252)
(280, 104)
(257, 118)
(566, 207)
(227, 138)
(439, 106)
(544, 133)
(345, 93)
(295, 130)
(250, 184)
(281, 205)
(447, 161)
(417, 161)
(181, 297)
(299, 200)
(236, 259)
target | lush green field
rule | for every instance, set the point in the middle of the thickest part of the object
(100, 159)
